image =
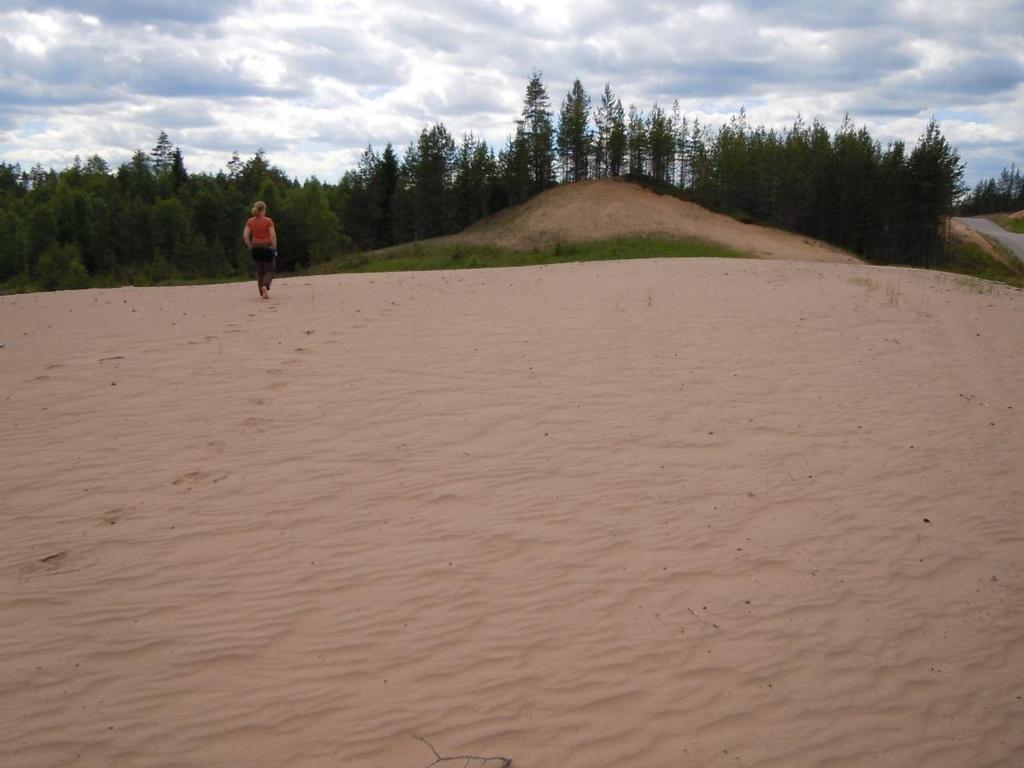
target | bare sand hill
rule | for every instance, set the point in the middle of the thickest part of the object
(607, 208)
(648, 513)
(1017, 215)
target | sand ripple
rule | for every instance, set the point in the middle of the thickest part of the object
(646, 513)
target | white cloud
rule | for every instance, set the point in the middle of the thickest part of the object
(314, 81)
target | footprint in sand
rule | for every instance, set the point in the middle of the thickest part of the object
(199, 476)
(112, 516)
(54, 560)
(51, 563)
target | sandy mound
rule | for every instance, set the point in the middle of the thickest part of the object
(647, 513)
(598, 210)
(1017, 215)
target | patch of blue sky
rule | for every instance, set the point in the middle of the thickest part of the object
(373, 92)
(961, 115)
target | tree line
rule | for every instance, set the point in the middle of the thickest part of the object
(1002, 195)
(151, 220)
(884, 203)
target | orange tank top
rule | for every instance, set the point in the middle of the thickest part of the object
(260, 227)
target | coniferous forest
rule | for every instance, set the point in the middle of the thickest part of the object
(1002, 195)
(150, 220)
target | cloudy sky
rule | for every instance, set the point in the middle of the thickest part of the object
(314, 81)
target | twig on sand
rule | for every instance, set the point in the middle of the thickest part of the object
(467, 760)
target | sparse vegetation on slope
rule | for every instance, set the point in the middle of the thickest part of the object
(1011, 222)
(965, 256)
(447, 254)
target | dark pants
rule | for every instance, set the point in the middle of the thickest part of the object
(264, 260)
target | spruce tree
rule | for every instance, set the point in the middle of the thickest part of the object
(514, 168)
(386, 182)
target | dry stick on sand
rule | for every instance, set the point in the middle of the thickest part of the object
(503, 762)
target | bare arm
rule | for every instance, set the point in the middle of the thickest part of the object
(247, 236)
(273, 236)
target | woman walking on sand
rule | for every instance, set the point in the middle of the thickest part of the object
(261, 239)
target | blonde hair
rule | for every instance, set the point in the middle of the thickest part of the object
(259, 206)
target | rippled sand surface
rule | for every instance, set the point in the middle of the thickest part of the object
(650, 513)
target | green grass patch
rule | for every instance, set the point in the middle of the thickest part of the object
(1014, 225)
(448, 255)
(1004, 221)
(966, 258)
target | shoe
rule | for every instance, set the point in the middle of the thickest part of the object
(264, 292)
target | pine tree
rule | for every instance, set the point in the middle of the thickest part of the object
(700, 180)
(602, 135)
(676, 124)
(893, 201)
(433, 179)
(136, 177)
(574, 137)
(617, 139)
(539, 132)
(636, 138)
(473, 188)
(359, 212)
(661, 143)
(935, 181)
(683, 153)
(96, 165)
(161, 156)
(234, 165)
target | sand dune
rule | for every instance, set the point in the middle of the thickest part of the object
(658, 513)
(608, 208)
